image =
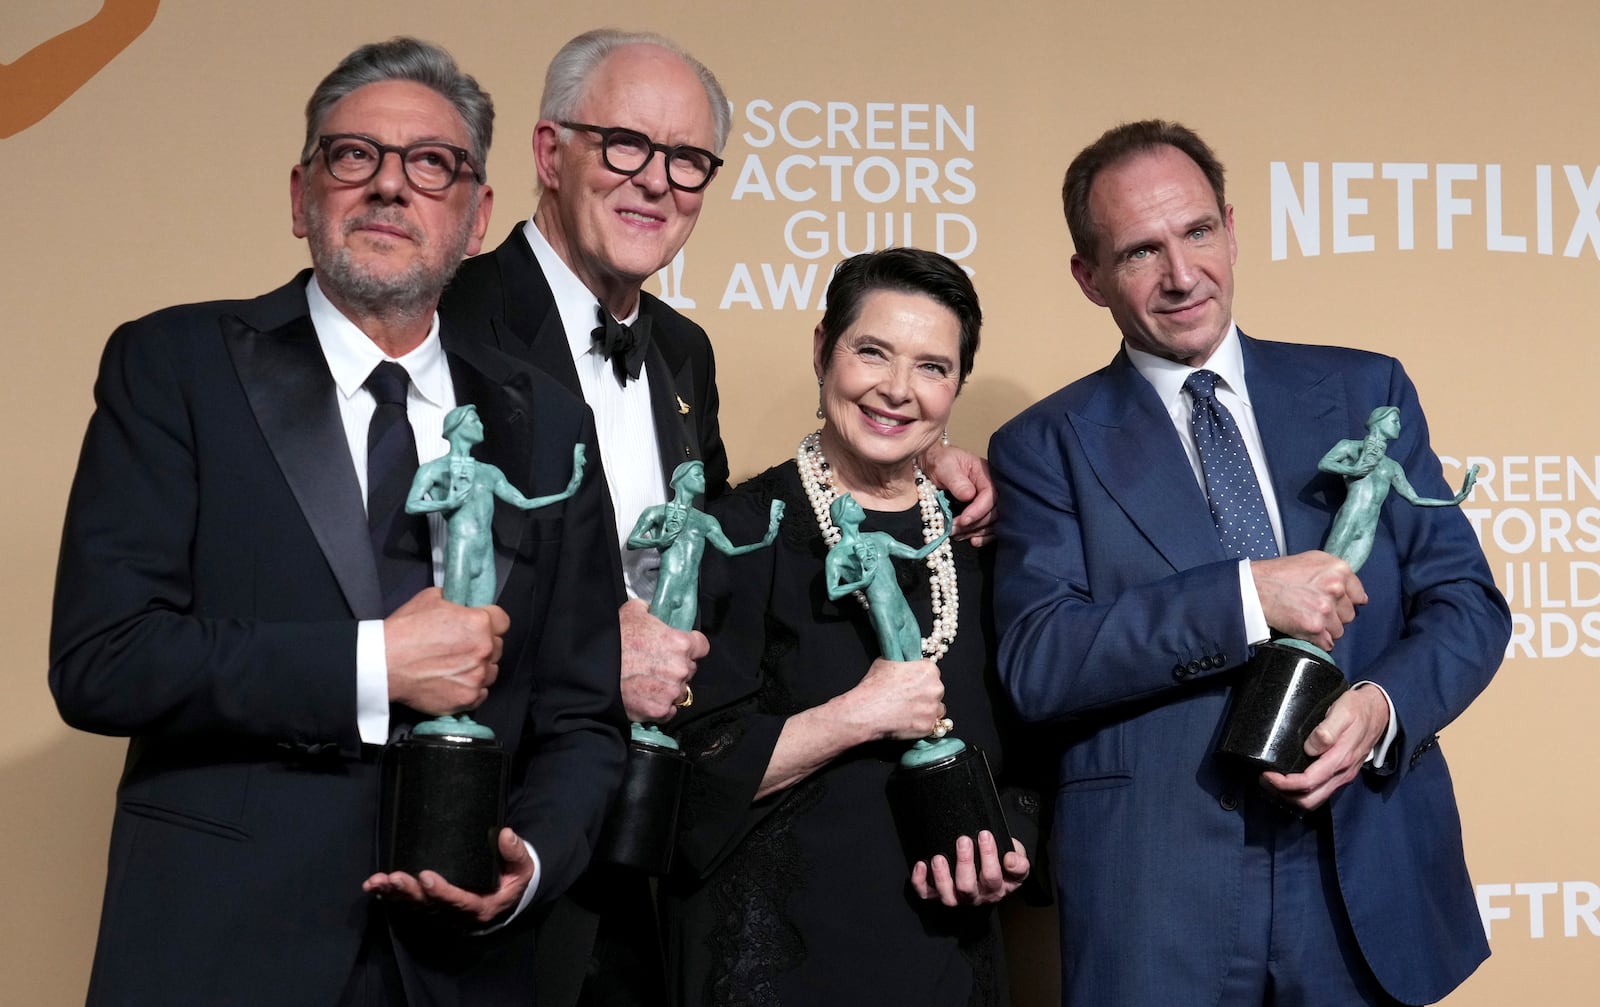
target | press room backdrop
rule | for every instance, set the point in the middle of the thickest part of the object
(1418, 178)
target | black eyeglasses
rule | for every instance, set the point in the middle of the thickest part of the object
(628, 152)
(430, 166)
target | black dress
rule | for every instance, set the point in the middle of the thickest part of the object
(804, 898)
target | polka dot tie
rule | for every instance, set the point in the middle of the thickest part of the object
(1236, 505)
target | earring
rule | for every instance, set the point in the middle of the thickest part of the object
(944, 438)
(819, 398)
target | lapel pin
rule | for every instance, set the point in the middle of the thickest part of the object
(683, 407)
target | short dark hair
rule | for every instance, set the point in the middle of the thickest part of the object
(1117, 145)
(909, 271)
(409, 59)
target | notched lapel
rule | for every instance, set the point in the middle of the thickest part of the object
(1300, 417)
(292, 395)
(677, 429)
(1129, 441)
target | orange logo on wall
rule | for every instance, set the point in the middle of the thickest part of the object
(48, 74)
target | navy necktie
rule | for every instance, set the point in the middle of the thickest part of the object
(399, 540)
(1237, 508)
(623, 345)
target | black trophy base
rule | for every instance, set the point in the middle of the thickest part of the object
(1282, 698)
(642, 827)
(444, 804)
(934, 804)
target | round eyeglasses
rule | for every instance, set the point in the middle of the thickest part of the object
(628, 152)
(430, 165)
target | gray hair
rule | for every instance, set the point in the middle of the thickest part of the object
(566, 81)
(403, 58)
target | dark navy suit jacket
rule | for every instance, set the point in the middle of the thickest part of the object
(1121, 624)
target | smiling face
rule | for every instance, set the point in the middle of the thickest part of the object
(614, 230)
(1164, 255)
(381, 247)
(887, 389)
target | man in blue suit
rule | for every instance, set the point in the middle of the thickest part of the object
(1127, 612)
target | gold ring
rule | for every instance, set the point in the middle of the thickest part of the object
(688, 698)
(942, 727)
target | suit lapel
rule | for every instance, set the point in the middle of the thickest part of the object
(529, 326)
(670, 394)
(1129, 441)
(505, 407)
(1299, 414)
(292, 395)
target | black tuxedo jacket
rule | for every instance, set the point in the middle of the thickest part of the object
(213, 568)
(503, 296)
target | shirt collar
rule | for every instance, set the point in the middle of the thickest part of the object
(575, 302)
(1168, 376)
(351, 355)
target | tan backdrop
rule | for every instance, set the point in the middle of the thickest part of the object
(1420, 179)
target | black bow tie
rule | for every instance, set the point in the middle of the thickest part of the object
(623, 345)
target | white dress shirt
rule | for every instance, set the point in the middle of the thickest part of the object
(624, 422)
(351, 357)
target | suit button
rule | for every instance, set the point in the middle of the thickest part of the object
(1195, 666)
(1228, 802)
(1180, 672)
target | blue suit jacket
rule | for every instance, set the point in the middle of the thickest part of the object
(1121, 622)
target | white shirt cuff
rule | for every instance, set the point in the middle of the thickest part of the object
(1256, 629)
(372, 682)
(527, 893)
(1380, 751)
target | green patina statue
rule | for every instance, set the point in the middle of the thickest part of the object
(863, 561)
(681, 533)
(1369, 474)
(465, 490)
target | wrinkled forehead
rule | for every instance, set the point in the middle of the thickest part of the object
(397, 111)
(651, 89)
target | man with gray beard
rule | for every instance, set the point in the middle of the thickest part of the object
(242, 595)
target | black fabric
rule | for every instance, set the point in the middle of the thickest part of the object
(399, 540)
(623, 345)
(804, 897)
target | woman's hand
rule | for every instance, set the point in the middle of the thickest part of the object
(977, 880)
(896, 699)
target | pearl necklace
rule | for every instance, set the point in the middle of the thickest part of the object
(817, 479)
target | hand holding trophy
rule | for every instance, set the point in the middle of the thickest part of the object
(942, 789)
(1289, 684)
(644, 819)
(444, 786)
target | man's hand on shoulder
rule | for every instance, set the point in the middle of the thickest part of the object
(1340, 744)
(657, 663)
(1310, 596)
(964, 476)
(430, 890)
(442, 657)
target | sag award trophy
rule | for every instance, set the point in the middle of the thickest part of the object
(444, 786)
(644, 818)
(1289, 684)
(942, 789)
